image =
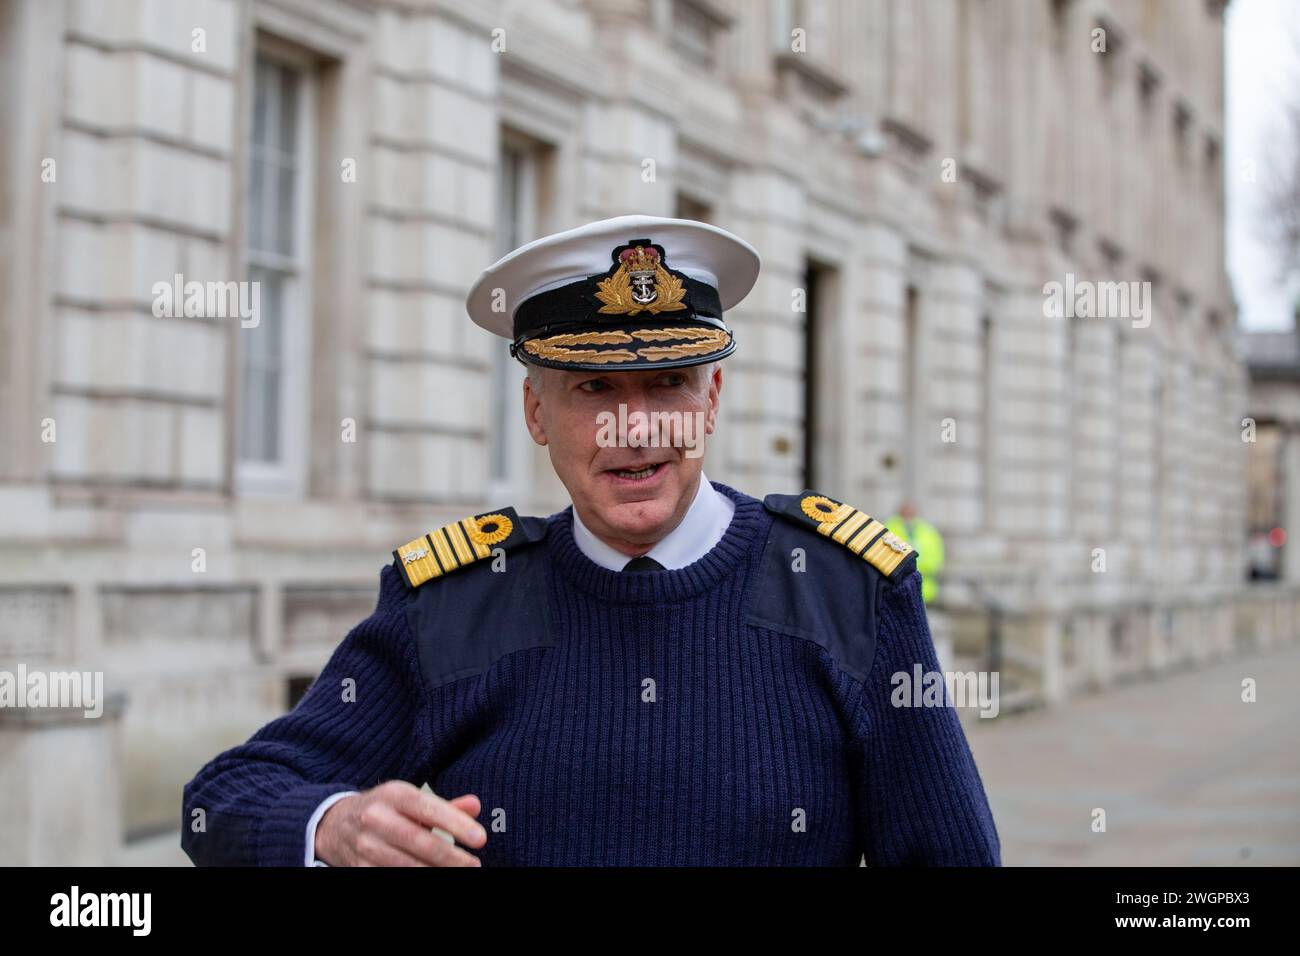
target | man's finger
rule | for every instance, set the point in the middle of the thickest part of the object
(389, 826)
(434, 811)
(467, 802)
(374, 850)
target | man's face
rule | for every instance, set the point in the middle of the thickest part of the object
(630, 487)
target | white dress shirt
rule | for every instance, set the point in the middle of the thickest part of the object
(702, 527)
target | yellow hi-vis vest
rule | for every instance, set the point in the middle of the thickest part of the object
(928, 542)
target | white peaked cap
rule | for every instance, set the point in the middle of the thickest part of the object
(701, 251)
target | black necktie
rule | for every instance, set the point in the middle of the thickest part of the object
(643, 564)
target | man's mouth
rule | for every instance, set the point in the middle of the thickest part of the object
(638, 474)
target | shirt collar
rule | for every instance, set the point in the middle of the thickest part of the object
(702, 527)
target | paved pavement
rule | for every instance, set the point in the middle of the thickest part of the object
(1187, 773)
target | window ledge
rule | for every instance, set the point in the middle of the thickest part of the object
(815, 80)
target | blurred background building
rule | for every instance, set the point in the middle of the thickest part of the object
(1273, 361)
(201, 510)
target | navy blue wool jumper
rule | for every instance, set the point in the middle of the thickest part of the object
(608, 718)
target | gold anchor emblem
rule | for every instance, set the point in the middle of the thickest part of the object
(641, 284)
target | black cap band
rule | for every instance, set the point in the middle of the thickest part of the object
(576, 305)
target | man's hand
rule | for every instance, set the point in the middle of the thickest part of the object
(391, 825)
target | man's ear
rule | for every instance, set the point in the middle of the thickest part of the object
(715, 398)
(533, 410)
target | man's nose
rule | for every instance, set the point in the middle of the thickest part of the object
(636, 400)
(639, 422)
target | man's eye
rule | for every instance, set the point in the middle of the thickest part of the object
(677, 378)
(594, 385)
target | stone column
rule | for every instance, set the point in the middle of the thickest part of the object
(1036, 641)
(61, 788)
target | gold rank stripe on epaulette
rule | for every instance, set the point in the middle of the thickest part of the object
(856, 530)
(455, 545)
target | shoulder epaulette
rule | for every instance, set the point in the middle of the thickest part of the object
(463, 542)
(856, 530)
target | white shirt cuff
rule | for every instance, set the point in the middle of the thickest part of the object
(310, 856)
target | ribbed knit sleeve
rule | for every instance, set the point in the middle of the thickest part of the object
(920, 798)
(363, 721)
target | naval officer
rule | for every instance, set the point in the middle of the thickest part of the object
(668, 671)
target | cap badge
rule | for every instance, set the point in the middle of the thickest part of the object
(640, 284)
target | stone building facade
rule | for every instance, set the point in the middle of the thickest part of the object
(200, 509)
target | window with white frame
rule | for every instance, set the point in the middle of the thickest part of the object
(273, 353)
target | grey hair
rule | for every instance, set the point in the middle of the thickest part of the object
(534, 373)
